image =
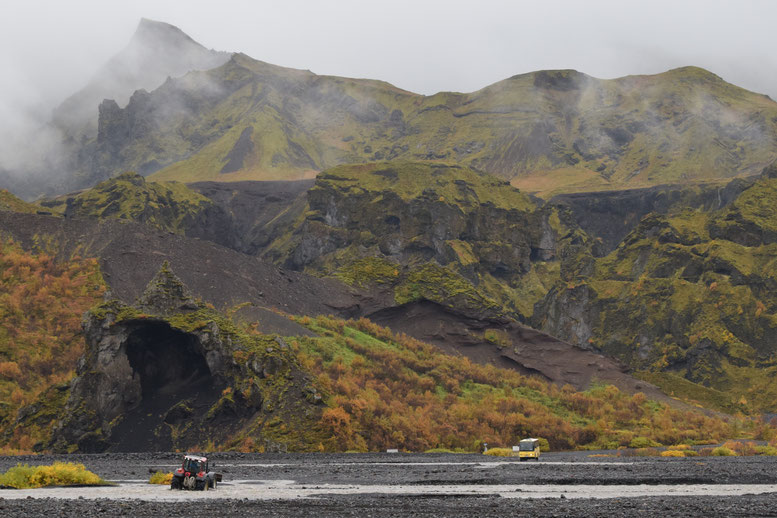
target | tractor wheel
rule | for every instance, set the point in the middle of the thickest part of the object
(200, 485)
(175, 483)
(213, 483)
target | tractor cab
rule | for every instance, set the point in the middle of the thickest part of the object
(195, 464)
(194, 473)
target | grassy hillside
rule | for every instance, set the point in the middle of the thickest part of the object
(370, 390)
(10, 202)
(166, 205)
(351, 386)
(387, 391)
(688, 299)
(548, 132)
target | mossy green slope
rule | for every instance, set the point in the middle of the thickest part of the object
(170, 206)
(433, 231)
(549, 131)
(10, 202)
(688, 297)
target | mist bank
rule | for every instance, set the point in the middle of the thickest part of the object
(40, 147)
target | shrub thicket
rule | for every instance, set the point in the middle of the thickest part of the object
(391, 391)
(23, 476)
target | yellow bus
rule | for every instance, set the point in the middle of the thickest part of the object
(529, 449)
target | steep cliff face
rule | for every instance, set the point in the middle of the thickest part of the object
(611, 215)
(415, 210)
(170, 373)
(433, 231)
(259, 211)
(688, 298)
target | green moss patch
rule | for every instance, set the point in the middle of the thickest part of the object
(170, 206)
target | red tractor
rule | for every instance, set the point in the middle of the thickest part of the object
(194, 474)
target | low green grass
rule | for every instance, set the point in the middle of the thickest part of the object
(11, 203)
(452, 184)
(165, 205)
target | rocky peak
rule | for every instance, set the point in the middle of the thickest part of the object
(169, 374)
(151, 32)
(166, 294)
(155, 52)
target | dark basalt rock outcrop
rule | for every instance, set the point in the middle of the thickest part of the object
(241, 149)
(171, 373)
(611, 215)
(441, 222)
(258, 210)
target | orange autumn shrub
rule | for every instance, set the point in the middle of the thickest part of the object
(42, 302)
(386, 390)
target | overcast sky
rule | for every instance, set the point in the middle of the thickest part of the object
(49, 49)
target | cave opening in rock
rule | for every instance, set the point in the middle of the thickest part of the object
(166, 360)
(176, 388)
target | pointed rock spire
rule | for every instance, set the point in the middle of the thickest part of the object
(165, 294)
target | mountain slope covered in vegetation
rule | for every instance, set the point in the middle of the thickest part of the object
(439, 232)
(688, 298)
(548, 132)
(341, 379)
(351, 385)
(237, 118)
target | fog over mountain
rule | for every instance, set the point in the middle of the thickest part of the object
(51, 50)
(156, 51)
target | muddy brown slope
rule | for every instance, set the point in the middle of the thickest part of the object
(531, 352)
(251, 208)
(130, 255)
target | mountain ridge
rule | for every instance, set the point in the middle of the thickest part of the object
(527, 154)
(233, 118)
